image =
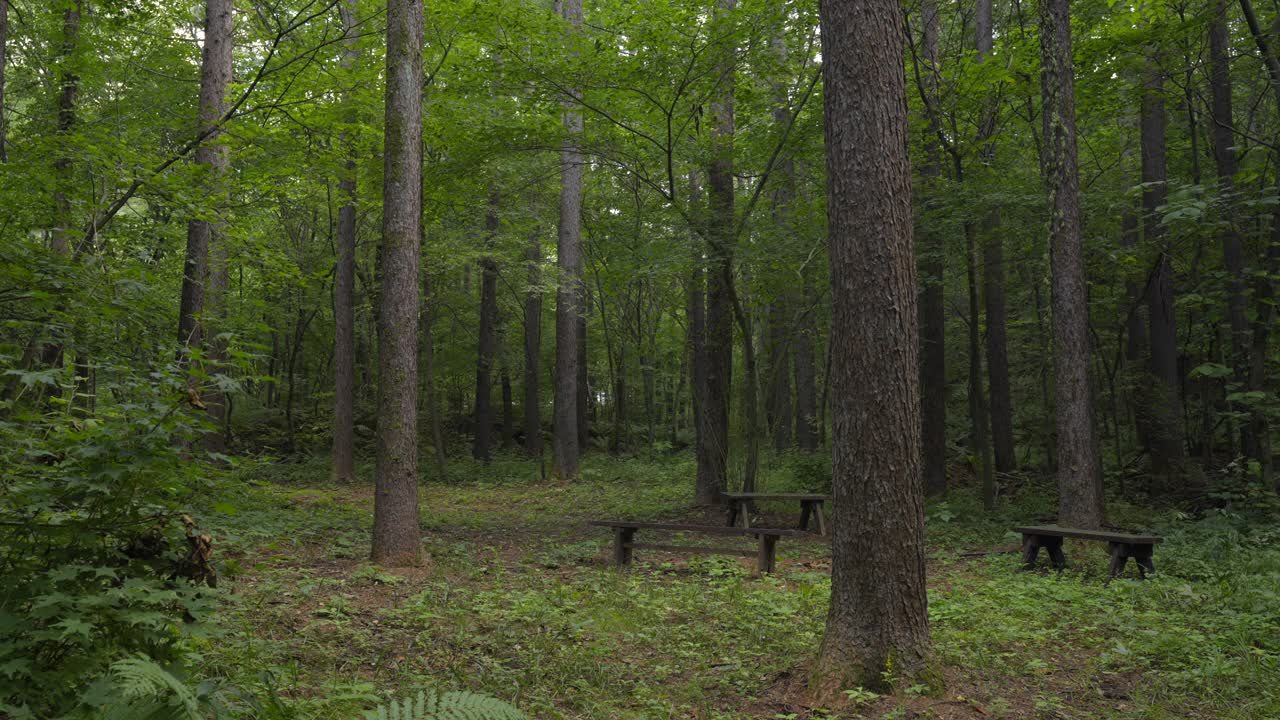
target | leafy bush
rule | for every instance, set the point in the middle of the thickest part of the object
(95, 556)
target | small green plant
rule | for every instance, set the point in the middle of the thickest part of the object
(456, 705)
(861, 696)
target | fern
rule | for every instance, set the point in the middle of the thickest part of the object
(458, 705)
(142, 690)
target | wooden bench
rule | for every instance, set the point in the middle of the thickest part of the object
(810, 506)
(624, 543)
(1122, 546)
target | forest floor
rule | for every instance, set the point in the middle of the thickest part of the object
(516, 600)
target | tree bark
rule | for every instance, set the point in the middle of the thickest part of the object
(806, 370)
(344, 276)
(933, 312)
(396, 529)
(4, 56)
(778, 408)
(204, 281)
(713, 474)
(878, 621)
(1079, 467)
(980, 439)
(533, 349)
(1165, 411)
(585, 406)
(565, 445)
(488, 339)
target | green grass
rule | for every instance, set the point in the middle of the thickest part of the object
(518, 602)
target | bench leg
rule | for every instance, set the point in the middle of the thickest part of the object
(1056, 556)
(822, 521)
(806, 509)
(1119, 558)
(733, 513)
(1030, 551)
(622, 546)
(764, 560)
(1145, 565)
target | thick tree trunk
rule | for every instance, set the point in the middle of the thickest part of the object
(1079, 466)
(488, 342)
(344, 276)
(564, 433)
(933, 312)
(533, 349)
(1165, 411)
(713, 475)
(878, 621)
(396, 530)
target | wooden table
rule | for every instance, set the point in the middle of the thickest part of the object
(810, 506)
(1122, 546)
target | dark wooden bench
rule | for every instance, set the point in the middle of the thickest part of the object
(1122, 546)
(810, 506)
(624, 543)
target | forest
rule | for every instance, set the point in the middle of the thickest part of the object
(364, 359)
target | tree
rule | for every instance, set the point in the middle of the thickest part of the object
(344, 274)
(878, 620)
(204, 283)
(396, 531)
(4, 45)
(570, 310)
(1079, 468)
(933, 311)
(533, 348)
(488, 336)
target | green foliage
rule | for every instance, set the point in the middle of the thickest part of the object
(455, 705)
(91, 543)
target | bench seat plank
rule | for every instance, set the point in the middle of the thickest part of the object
(697, 549)
(1099, 535)
(776, 496)
(709, 529)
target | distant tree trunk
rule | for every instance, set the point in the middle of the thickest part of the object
(979, 438)
(428, 318)
(396, 530)
(993, 276)
(508, 412)
(878, 620)
(533, 349)
(1224, 156)
(488, 339)
(620, 397)
(585, 406)
(778, 411)
(778, 330)
(344, 275)
(4, 56)
(569, 310)
(51, 355)
(713, 474)
(806, 370)
(1166, 405)
(933, 312)
(1079, 465)
(204, 281)
(1263, 290)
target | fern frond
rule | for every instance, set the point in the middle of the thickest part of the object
(140, 682)
(456, 705)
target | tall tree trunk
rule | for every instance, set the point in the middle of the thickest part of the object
(533, 349)
(344, 276)
(1135, 352)
(4, 56)
(1263, 291)
(488, 338)
(1079, 465)
(933, 312)
(778, 330)
(1166, 404)
(204, 280)
(508, 412)
(979, 438)
(569, 311)
(713, 473)
(1224, 157)
(878, 620)
(806, 370)
(428, 318)
(396, 530)
(585, 406)
(993, 275)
